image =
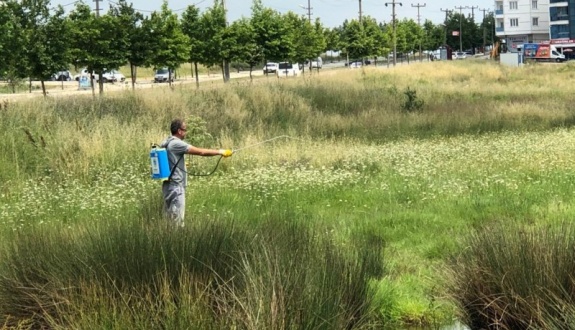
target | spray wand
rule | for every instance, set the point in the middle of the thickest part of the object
(246, 147)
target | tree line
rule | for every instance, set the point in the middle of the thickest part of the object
(37, 40)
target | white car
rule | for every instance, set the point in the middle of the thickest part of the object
(459, 56)
(355, 65)
(288, 69)
(163, 75)
(108, 76)
(271, 67)
(317, 63)
(113, 76)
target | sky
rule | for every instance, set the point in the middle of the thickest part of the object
(332, 13)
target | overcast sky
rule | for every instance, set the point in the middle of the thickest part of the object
(331, 12)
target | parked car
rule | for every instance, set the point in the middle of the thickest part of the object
(361, 62)
(459, 56)
(163, 75)
(108, 76)
(317, 63)
(355, 65)
(63, 75)
(271, 67)
(113, 76)
(288, 69)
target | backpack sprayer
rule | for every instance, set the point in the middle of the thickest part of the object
(160, 166)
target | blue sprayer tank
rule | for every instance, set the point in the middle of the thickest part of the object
(159, 162)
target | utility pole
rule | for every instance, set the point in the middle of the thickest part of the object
(97, 7)
(447, 11)
(226, 63)
(484, 32)
(492, 30)
(473, 20)
(393, 24)
(308, 8)
(460, 26)
(360, 12)
(419, 23)
(473, 12)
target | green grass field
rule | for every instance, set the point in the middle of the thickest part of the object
(375, 211)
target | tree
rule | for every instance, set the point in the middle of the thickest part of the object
(272, 35)
(487, 29)
(412, 33)
(362, 39)
(170, 44)
(213, 30)
(332, 39)
(12, 45)
(307, 39)
(138, 39)
(240, 42)
(191, 28)
(468, 30)
(433, 35)
(100, 43)
(377, 40)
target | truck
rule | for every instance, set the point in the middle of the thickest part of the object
(542, 53)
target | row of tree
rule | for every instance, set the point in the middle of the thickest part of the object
(37, 40)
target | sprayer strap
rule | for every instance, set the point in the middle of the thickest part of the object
(175, 165)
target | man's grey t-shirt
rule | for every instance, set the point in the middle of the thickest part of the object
(176, 149)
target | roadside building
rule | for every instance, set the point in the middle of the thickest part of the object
(522, 21)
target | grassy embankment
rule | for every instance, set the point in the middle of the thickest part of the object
(354, 221)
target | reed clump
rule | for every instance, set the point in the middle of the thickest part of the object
(511, 276)
(140, 274)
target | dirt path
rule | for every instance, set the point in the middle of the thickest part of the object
(67, 88)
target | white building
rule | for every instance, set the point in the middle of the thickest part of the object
(523, 21)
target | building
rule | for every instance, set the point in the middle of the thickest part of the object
(562, 26)
(526, 21)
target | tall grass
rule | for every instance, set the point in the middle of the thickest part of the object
(139, 274)
(516, 277)
(356, 170)
(76, 134)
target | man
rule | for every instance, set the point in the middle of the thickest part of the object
(174, 189)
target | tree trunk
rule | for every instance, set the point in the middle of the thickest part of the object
(43, 87)
(197, 78)
(133, 75)
(92, 84)
(101, 83)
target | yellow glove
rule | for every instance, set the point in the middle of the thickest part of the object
(226, 152)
